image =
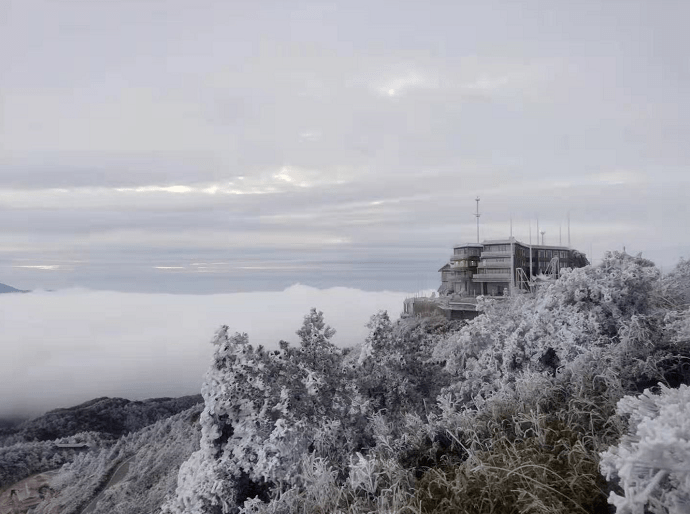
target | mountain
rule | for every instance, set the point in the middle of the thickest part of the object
(4, 288)
(111, 417)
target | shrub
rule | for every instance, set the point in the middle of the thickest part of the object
(652, 462)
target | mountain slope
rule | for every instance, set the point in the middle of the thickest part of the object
(4, 288)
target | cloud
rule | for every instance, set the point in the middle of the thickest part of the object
(65, 347)
(399, 83)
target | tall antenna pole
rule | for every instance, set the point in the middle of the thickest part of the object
(530, 255)
(542, 236)
(568, 229)
(477, 216)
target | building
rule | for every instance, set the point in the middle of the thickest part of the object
(494, 268)
(499, 267)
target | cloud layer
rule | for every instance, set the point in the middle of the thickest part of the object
(65, 347)
(158, 134)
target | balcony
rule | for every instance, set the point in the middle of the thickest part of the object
(491, 277)
(489, 263)
(456, 262)
(505, 253)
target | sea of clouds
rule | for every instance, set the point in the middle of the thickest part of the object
(65, 347)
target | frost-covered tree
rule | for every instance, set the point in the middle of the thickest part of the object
(315, 339)
(396, 372)
(263, 412)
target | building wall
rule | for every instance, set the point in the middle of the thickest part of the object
(487, 269)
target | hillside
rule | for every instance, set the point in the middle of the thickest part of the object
(111, 417)
(9, 289)
(30, 447)
(526, 408)
(574, 399)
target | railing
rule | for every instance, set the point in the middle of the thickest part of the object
(495, 254)
(474, 258)
(488, 277)
(491, 264)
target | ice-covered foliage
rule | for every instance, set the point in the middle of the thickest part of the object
(586, 310)
(652, 462)
(264, 410)
(675, 288)
(506, 413)
(154, 453)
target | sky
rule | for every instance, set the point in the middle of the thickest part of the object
(63, 348)
(196, 147)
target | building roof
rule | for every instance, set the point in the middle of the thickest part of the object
(513, 240)
(468, 245)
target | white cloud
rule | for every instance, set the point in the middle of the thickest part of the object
(44, 267)
(396, 84)
(69, 346)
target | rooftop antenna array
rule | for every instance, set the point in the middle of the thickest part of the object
(477, 216)
(542, 236)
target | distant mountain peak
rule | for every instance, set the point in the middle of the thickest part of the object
(4, 288)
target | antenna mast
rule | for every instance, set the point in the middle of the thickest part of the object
(568, 229)
(477, 216)
(542, 236)
(530, 254)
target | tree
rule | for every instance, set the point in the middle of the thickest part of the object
(315, 339)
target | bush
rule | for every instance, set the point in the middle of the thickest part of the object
(652, 462)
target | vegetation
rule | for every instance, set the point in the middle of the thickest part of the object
(31, 447)
(573, 399)
(510, 412)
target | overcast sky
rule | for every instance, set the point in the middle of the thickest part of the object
(206, 146)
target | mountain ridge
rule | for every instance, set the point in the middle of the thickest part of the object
(4, 288)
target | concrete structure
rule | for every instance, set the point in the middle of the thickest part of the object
(494, 268)
(502, 266)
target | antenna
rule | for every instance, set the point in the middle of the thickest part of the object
(542, 236)
(530, 254)
(568, 229)
(477, 216)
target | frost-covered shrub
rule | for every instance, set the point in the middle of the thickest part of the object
(675, 287)
(509, 410)
(395, 370)
(606, 306)
(652, 462)
(263, 412)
